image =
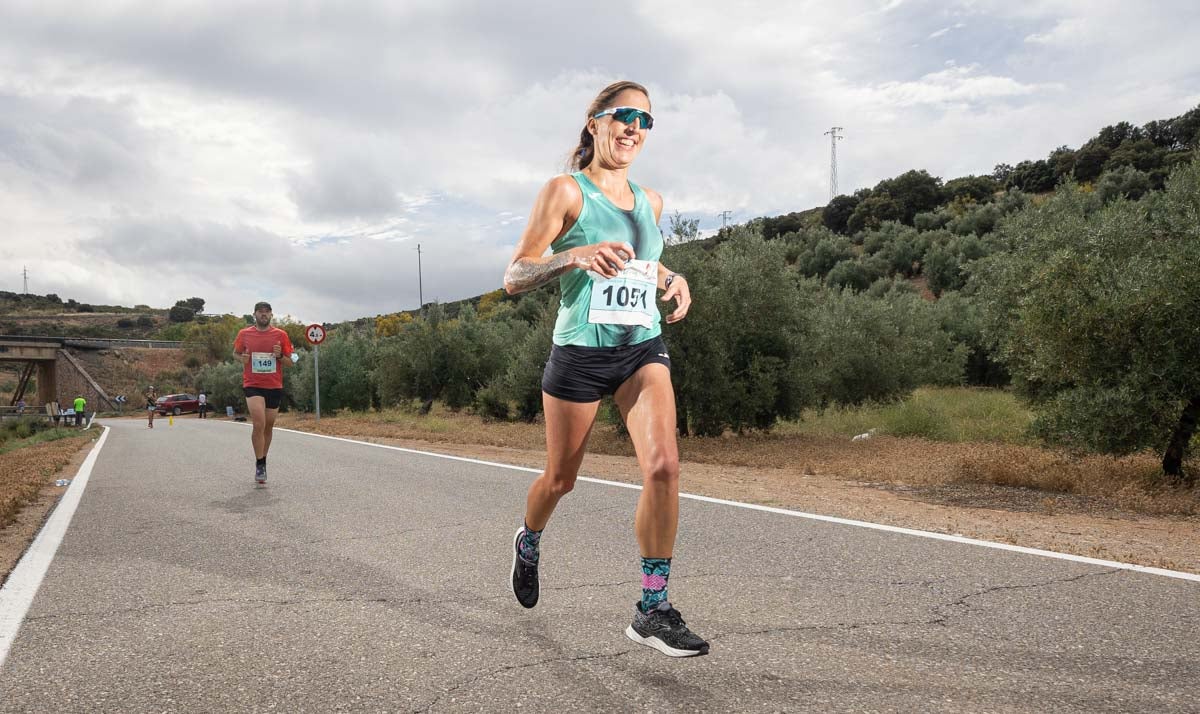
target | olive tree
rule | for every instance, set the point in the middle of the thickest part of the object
(1094, 309)
(740, 359)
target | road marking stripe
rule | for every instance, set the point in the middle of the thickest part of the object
(22, 585)
(800, 514)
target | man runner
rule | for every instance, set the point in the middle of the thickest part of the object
(262, 349)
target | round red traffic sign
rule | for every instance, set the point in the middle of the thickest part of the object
(315, 334)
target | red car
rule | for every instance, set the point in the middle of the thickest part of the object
(177, 404)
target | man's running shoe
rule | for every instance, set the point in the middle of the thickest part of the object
(663, 629)
(524, 575)
(260, 475)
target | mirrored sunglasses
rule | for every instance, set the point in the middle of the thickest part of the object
(628, 115)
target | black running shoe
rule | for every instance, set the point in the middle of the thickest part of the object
(524, 575)
(260, 475)
(663, 629)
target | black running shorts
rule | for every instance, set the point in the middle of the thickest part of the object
(273, 396)
(585, 374)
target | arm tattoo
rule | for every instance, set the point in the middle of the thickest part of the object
(528, 273)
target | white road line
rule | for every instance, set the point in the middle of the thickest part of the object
(22, 585)
(800, 514)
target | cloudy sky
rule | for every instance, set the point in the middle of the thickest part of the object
(299, 151)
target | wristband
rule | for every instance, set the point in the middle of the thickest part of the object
(671, 278)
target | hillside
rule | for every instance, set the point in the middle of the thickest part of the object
(128, 371)
(116, 325)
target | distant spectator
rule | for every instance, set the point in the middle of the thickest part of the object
(203, 405)
(80, 409)
(21, 406)
(151, 395)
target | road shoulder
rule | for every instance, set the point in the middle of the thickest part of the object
(1015, 516)
(16, 537)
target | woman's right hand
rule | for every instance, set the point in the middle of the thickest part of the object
(606, 258)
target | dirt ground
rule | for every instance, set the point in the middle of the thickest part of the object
(16, 537)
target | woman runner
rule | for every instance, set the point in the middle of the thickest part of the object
(605, 242)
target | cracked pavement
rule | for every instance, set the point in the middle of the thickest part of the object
(366, 579)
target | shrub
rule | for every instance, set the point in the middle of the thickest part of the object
(1125, 182)
(849, 274)
(878, 349)
(222, 384)
(732, 368)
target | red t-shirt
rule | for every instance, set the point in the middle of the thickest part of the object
(263, 370)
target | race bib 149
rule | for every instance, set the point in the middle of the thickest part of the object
(628, 298)
(262, 362)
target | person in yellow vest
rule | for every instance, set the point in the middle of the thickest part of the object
(80, 409)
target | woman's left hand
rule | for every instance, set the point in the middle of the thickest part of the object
(682, 295)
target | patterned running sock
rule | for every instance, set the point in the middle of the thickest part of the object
(261, 462)
(528, 547)
(655, 572)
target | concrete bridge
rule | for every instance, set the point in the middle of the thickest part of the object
(60, 377)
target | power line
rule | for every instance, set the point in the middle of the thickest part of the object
(724, 216)
(25, 274)
(833, 140)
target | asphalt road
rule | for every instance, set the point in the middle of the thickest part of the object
(367, 579)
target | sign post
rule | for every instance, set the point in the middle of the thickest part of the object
(316, 335)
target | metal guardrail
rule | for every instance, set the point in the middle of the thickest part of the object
(94, 342)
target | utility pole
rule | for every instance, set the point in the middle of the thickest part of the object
(25, 274)
(724, 215)
(420, 287)
(833, 140)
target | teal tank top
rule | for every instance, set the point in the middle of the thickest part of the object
(601, 220)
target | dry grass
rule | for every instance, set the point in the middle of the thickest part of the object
(953, 414)
(27, 468)
(1128, 483)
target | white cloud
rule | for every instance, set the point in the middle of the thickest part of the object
(945, 30)
(954, 85)
(1075, 32)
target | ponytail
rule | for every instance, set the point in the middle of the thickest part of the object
(583, 154)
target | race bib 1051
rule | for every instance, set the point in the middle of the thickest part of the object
(628, 298)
